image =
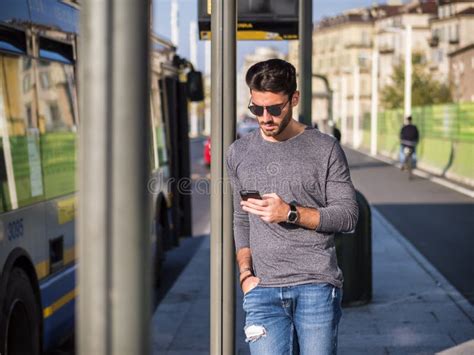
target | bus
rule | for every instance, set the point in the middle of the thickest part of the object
(39, 123)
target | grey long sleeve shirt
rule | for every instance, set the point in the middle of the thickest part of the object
(310, 170)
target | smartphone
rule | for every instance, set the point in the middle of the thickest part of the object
(246, 194)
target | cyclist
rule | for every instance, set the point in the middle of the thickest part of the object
(409, 137)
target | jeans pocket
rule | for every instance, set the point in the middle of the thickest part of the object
(250, 291)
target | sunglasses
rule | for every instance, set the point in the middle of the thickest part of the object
(274, 110)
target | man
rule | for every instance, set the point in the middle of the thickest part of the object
(285, 241)
(409, 137)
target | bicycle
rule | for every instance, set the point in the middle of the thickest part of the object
(408, 161)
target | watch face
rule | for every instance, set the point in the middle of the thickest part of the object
(292, 216)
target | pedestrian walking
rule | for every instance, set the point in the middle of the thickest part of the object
(292, 191)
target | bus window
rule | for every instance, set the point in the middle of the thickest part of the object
(57, 124)
(21, 181)
(159, 127)
(153, 139)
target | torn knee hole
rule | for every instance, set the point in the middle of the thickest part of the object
(254, 332)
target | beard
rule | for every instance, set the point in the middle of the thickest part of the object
(280, 127)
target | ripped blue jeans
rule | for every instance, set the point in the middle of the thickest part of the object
(299, 319)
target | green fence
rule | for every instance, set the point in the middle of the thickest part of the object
(446, 137)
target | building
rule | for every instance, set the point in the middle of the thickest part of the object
(462, 73)
(342, 52)
(451, 30)
(342, 49)
(391, 36)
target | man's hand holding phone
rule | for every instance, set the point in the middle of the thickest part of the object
(269, 207)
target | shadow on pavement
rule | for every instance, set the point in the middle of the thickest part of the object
(443, 233)
(176, 260)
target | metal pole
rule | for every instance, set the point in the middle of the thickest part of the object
(305, 60)
(193, 31)
(93, 229)
(229, 121)
(207, 71)
(356, 117)
(113, 305)
(223, 111)
(336, 102)
(375, 99)
(175, 22)
(344, 132)
(408, 70)
(131, 292)
(330, 111)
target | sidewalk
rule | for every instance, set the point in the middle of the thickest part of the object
(414, 310)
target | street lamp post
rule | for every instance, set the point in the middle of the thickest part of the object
(305, 31)
(408, 70)
(374, 99)
(193, 31)
(356, 102)
(344, 108)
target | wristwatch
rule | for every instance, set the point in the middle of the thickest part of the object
(292, 216)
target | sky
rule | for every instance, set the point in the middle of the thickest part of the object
(188, 13)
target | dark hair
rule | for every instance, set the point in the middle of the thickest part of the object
(274, 75)
(409, 119)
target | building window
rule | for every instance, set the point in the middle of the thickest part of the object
(26, 83)
(44, 79)
(365, 38)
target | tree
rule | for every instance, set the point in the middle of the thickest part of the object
(425, 89)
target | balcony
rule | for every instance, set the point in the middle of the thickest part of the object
(433, 41)
(433, 66)
(386, 49)
(454, 40)
(358, 44)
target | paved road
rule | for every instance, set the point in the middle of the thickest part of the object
(438, 221)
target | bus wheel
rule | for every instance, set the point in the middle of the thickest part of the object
(19, 320)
